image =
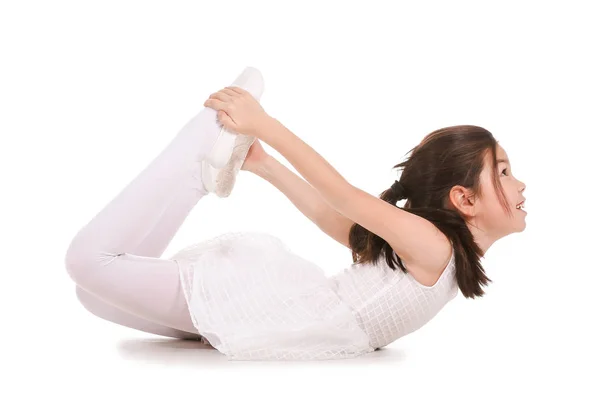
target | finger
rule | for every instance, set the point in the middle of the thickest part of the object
(225, 120)
(237, 90)
(221, 96)
(229, 92)
(215, 104)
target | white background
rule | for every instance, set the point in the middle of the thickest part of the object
(93, 91)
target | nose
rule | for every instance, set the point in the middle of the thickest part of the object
(523, 186)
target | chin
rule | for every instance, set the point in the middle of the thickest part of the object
(518, 228)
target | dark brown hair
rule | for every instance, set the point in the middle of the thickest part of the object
(445, 158)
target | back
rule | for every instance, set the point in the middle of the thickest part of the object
(389, 304)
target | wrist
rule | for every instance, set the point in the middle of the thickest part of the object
(267, 128)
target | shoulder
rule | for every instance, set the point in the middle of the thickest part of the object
(427, 270)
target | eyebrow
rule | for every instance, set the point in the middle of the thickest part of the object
(502, 160)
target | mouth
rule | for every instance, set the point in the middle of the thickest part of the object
(521, 206)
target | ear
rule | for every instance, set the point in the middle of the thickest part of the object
(462, 200)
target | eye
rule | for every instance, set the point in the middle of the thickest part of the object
(504, 171)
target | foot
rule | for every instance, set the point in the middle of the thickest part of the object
(231, 150)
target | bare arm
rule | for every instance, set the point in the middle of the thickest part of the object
(380, 217)
(306, 198)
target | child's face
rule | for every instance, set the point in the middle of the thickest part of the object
(496, 220)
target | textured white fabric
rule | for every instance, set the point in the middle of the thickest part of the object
(252, 298)
(389, 304)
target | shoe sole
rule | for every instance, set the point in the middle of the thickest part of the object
(223, 180)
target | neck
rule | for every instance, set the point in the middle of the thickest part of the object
(482, 238)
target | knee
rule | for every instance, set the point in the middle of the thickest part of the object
(74, 259)
(83, 265)
(77, 262)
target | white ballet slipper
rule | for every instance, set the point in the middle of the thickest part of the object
(223, 163)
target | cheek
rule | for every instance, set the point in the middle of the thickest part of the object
(496, 213)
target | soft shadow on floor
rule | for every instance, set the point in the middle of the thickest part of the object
(196, 354)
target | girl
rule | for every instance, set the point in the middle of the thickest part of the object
(247, 293)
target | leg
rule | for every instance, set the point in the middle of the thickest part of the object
(153, 245)
(104, 258)
(106, 311)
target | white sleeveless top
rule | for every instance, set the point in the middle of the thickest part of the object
(253, 298)
(389, 304)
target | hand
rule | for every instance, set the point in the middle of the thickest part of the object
(238, 111)
(255, 158)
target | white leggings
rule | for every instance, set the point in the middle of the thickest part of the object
(115, 259)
